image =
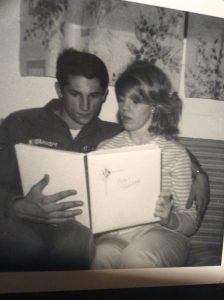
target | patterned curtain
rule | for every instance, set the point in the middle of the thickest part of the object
(204, 71)
(117, 31)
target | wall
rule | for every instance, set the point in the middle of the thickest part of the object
(201, 117)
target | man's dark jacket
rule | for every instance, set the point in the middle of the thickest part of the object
(42, 127)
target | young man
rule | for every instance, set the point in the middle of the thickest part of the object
(36, 232)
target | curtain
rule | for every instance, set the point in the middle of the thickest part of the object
(117, 31)
(204, 71)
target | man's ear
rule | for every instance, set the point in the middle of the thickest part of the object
(58, 90)
(105, 95)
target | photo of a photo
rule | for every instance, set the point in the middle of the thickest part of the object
(111, 140)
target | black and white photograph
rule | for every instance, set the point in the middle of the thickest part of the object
(111, 144)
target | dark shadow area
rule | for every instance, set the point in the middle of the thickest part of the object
(214, 291)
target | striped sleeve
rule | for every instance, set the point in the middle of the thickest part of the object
(181, 181)
(118, 141)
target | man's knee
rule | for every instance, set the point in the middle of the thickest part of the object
(20, 247)
(72, 246)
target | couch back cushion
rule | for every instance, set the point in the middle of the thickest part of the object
(210, 153)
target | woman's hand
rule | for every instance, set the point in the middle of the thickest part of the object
(163, 207)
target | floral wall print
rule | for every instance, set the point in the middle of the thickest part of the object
(204, 71)
(156, 39)
(42, 25)
(45, 16)
(117, 31)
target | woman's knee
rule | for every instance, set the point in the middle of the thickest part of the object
(107, 256)
(160, 248)
(137, 258)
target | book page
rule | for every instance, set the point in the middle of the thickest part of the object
(65, 169)
(124, 186)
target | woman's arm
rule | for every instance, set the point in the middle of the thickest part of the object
(181, 219)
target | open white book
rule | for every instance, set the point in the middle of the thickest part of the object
(119, 187)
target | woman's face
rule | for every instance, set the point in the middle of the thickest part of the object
(134, 115)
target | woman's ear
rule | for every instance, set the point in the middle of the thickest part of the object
(58, 90)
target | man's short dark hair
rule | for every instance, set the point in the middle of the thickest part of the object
(73, 62)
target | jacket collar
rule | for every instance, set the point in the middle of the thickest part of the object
(55, 105)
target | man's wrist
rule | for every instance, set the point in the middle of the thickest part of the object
(10, 209)
(197, 171)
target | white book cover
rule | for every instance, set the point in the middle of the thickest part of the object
(123, 184)
(66, 171)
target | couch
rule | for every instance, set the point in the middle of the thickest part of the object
(207, 242)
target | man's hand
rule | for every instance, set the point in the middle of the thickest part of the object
(200, 194)
(38, 207)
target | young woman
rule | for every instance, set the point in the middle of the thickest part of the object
(150, 112)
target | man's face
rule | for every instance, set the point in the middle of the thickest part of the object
(82, 100)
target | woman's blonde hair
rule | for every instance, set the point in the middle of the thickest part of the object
(146, 83)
